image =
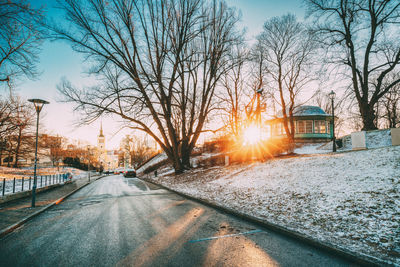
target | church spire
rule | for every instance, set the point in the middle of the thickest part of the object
(101, 130)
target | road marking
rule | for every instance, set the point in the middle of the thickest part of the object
(224, 236)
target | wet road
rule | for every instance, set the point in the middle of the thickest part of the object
(126, 222)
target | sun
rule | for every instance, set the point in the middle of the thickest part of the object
(251, 135)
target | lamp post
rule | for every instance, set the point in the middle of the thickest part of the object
(88, 166)
(332, 95)
(38, 103)
(258, 112)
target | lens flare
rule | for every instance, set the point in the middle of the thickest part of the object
(251, 135)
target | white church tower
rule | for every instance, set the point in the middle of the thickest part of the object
(101, 141)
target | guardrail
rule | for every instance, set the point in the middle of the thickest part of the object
(14, 185)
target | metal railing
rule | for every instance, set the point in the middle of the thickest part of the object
(15, 185)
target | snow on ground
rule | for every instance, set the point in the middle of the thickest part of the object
(160, 157)
(311, 149)
(378, 138)
(349, 199)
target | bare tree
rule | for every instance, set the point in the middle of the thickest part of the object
(16, 119)
(55, 146)
(7, 111)
(234, 96)
(20, 39)
(288, 49)
(160, 60)
(390, 107)
(138, 150)
(23, 119)
(361, 39)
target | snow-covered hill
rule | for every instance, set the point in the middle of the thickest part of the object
(349, 199)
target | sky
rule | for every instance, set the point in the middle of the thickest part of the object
(58, 60)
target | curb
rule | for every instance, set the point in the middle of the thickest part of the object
(16, 225)
(356, 257)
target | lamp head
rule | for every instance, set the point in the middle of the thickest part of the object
(38, 103)
(332, 95)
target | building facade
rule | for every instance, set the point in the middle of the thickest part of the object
(108, 159)
(311, 123)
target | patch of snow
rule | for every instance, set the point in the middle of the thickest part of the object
(378, 138)
(312, 149)
(160, 157)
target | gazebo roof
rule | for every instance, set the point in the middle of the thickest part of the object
(303, 111)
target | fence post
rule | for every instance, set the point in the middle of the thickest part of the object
(4, 186)
(41, 180)
(53, 179)
(14, 185)
(30, 182)
(22, 186)
(45, 180)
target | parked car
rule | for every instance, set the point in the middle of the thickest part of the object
(129, 173)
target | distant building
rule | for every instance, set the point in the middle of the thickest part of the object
(107, 158)
(311, 123)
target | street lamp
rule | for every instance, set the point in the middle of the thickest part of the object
(332, 96)
(88, 166)
(38, 103)
(258, 112)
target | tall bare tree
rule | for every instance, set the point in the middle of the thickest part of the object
(23, 119)
(361, 38)
(7, 125)
(55, 146)
(234, 97)
(288, 49)
(138, 150)
(390, 107)
(7, 111)
(20, 39)
(16, 119)
(161, 61)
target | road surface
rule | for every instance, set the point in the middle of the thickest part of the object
(126, 222)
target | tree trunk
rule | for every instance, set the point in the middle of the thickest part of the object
(9, 157)
(185, 154)
(17, 148)
(368, 116)
(178, 166)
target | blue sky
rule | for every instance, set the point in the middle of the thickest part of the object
(57, 60)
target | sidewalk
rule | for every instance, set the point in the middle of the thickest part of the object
(18, 211)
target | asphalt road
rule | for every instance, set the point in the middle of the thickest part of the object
(127, 222)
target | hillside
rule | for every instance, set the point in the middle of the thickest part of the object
(349, 199)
